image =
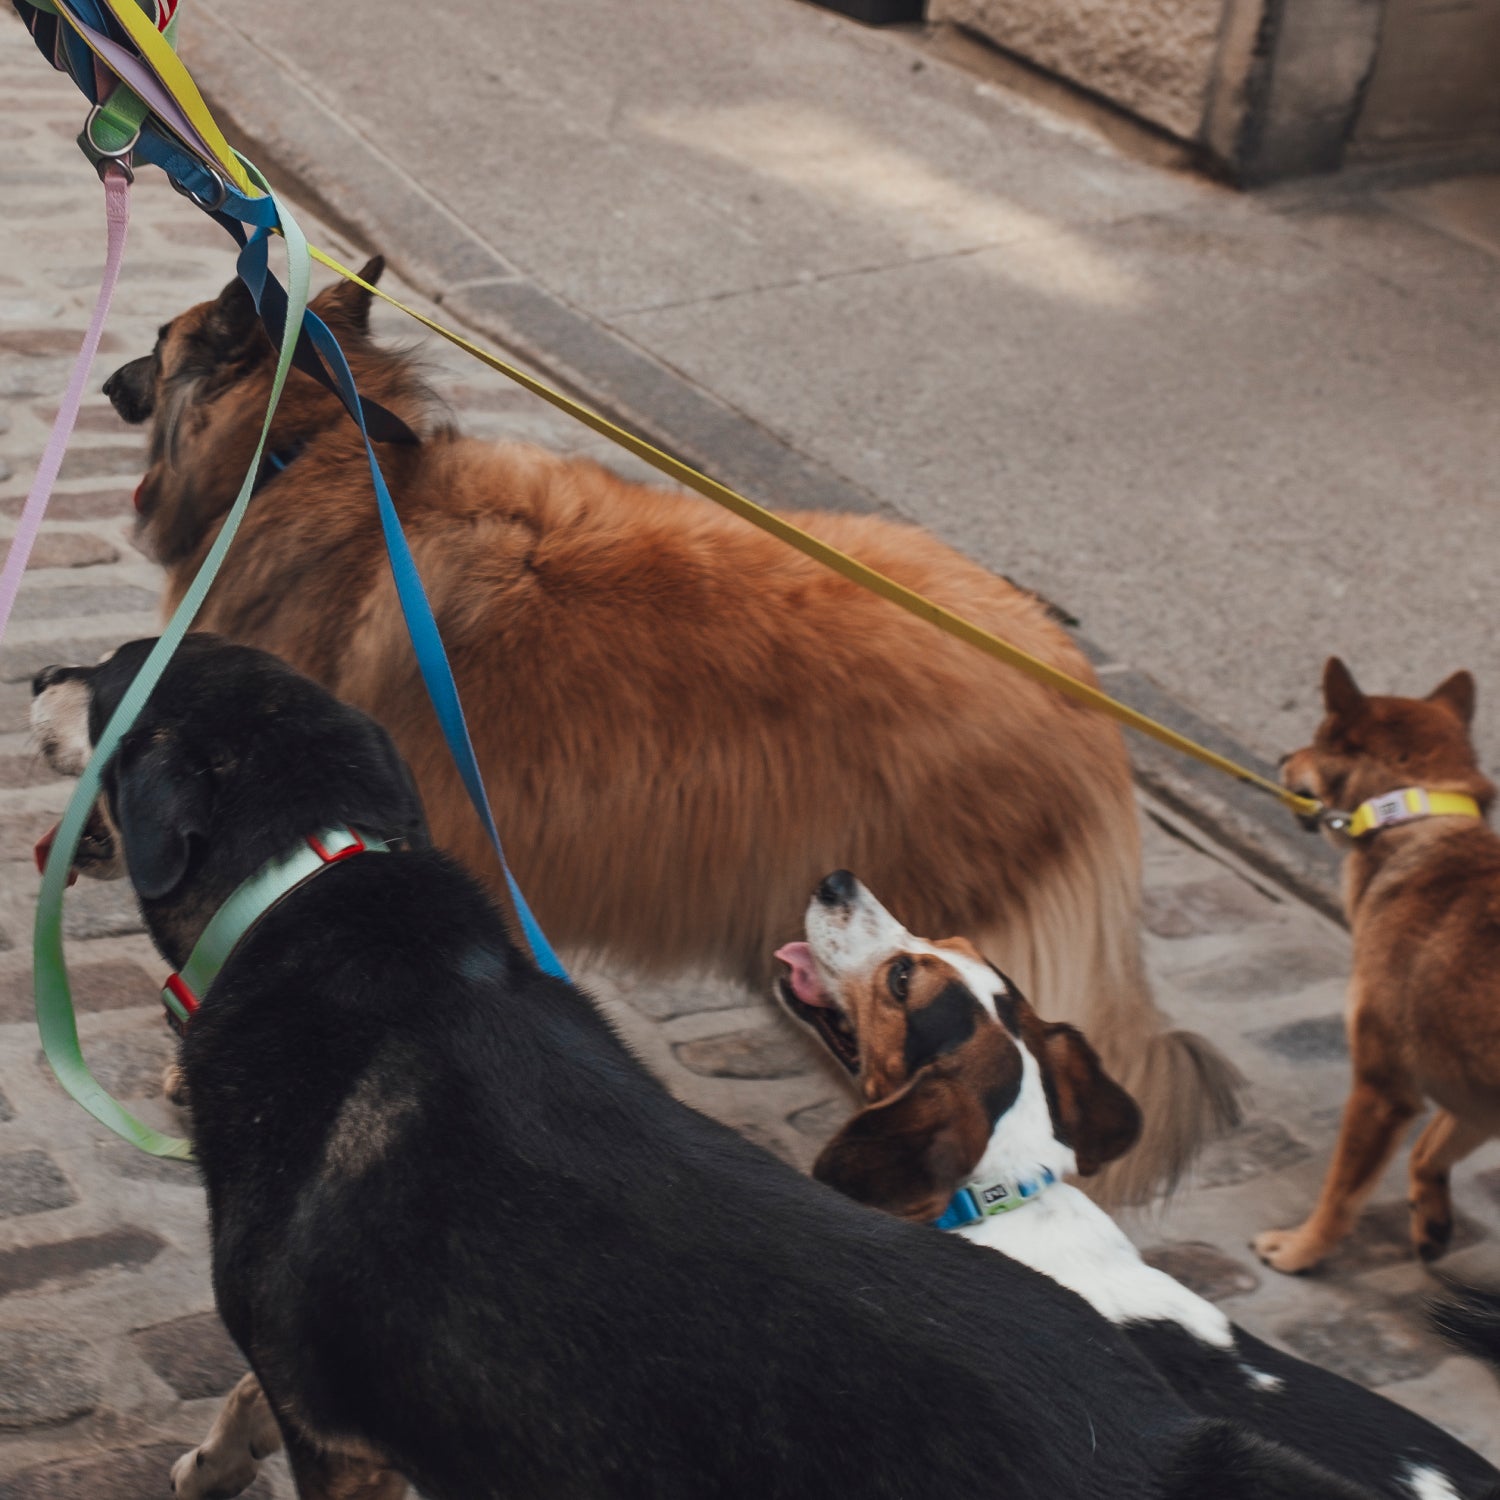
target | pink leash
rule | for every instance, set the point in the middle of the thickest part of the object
(117, 213)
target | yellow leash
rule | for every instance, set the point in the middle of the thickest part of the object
(908, 599)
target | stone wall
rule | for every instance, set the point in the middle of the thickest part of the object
(1270, 88)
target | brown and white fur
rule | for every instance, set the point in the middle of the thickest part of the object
(963, 1084)
(682, 721)
(1423, 1007)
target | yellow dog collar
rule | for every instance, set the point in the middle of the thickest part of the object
(1406, 806)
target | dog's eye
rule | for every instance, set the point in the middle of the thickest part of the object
(897, 977)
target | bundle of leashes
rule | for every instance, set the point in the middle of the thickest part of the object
(146, 108)
(81, 36)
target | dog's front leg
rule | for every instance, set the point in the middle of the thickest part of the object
(244, 1432)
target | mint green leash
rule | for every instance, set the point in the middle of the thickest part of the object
(54, 999)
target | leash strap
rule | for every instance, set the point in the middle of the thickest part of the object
(117, 218)
(54, 1006)
(416, 609)
(849, 567)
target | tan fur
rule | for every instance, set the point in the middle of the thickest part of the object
(683, 723)
(1423, 1009)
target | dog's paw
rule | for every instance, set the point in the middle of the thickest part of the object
(1287, 1250)
(203, 1474)
(174, 1085)
(1430, 1238)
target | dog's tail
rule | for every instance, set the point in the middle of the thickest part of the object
(1468, 1317)
(1076, 951)
(1225, 1461)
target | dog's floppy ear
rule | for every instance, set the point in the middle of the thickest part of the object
(1457, 692)
(161, 805)
(909, 1153)
(1341, 694)
(1090, 1111)
(232, 319)
(345, 306)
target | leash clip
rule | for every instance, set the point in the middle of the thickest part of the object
(208, 205)
(1336, 822)
(118, 156)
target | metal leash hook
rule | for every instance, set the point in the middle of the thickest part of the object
(103, 157)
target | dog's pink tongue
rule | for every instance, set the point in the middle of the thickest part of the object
(44, 848)
(806, 985)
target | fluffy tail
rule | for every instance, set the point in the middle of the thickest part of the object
(1469, 1318)
(1223, 1461)
(1076, 951)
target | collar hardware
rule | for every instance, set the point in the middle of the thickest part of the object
(184, 992)
(982, 1200)
(1408, 805)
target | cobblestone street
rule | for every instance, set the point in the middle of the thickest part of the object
(111, 1357)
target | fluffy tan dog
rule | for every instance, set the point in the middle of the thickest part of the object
(682, 722)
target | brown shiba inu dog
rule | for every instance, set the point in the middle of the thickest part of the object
(1422, 891)
(682, 721)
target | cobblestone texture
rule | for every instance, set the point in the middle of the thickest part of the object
(110, 1355)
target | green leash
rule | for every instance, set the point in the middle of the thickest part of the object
(54, 998)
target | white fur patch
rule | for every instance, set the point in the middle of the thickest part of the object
(60, 726)
(1428, 1483)
(849, 942)
(1260, 1380)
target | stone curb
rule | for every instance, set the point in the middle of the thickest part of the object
(322, 160)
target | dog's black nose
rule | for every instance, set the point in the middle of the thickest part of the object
(45, 678)
(837, 889)
(112, 386)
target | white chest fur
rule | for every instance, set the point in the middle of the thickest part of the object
(1065, 1236)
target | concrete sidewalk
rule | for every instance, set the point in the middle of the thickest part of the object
(1230, 434)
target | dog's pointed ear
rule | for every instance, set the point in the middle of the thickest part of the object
(1090, 1111)
(1341, 693)
(345, 306)
(232, 319)
(911, 1152)
(1457, 693)
(162, 805)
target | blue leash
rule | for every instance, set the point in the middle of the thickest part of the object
(432, 657)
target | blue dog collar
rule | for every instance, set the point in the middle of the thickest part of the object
(984, 1199)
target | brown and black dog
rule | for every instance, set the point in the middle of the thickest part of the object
(1422, 893)
(682, 721)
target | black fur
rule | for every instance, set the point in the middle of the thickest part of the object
(455, 1220)
(1363, 1437)
(943, 1025)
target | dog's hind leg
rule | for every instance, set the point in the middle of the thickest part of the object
(1444, 1143)
(324, 1474)
(226, 1461)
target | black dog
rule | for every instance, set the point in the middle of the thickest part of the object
(464, 1238)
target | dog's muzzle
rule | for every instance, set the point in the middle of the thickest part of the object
(132, 390)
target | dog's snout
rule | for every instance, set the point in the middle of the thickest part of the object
(131, 389)
(838, 889)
